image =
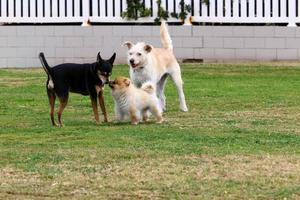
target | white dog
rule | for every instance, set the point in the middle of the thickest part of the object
(134, 102)
(155, 65)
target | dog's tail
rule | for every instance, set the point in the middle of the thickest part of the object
(148, 87)
(47, 69)
(165, 36)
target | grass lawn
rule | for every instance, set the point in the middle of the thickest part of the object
(240, 140)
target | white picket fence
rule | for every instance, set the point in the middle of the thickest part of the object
(248, 11)
(218, 11)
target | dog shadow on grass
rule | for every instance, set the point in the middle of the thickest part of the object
(128, 123)
(111, 123)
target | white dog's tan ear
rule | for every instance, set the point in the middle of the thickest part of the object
(127, 82)
(148, 48)
(127, 44)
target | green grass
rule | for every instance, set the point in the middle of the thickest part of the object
(239, 140)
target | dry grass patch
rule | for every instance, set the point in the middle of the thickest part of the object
(17, 184)
(12, 82)
(204, 176)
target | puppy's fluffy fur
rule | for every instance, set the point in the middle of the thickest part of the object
(134, 102)
(156, 64)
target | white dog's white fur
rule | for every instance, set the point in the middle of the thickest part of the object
(155, 65)
(134, 102)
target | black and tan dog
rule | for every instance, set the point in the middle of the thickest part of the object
(85, 79)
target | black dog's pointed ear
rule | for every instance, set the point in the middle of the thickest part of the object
(112, 59)
(99, 59)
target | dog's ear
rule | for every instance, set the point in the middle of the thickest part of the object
(99, 59)
(127, 44)
(127, 82)
(112, 59)
(148, 48)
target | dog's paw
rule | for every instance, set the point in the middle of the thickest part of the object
(159, 121)
(134, 122)
(184, 109)
(145, 119)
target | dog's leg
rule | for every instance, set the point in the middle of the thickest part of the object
(155, 111)
(52, 97)
(119, 114)
(145, 115)
(160, 91)
(63, 103)
(102, 105)
(95, 108)
(119, 117)
(133, 116)
(176, 77)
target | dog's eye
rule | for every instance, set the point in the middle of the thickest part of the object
(139, 54)
(104, 73)
(130, 54)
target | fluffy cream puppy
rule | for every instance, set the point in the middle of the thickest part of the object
(134, 102)
(155, 65)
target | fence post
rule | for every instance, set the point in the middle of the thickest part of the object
(292, 13)
(86, 13)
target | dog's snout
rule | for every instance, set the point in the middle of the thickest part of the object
(106, 80)
(131, 61)
(111, 84)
